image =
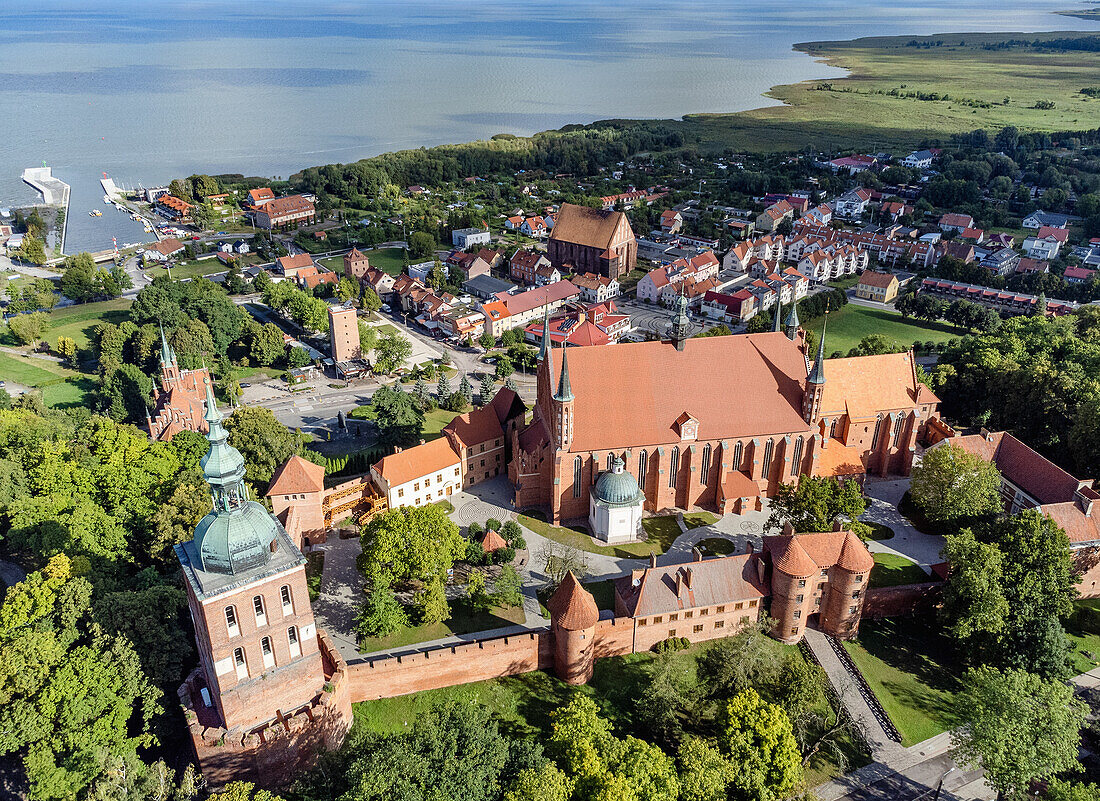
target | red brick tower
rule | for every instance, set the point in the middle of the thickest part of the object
(794, 574)
(573, 617)
(848, 579)
(815, 382)
(563, 405)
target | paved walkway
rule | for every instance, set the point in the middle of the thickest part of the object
(10, 574)
(341, 584)
(924, 549)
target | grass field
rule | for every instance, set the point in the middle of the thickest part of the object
(464, 620)
(388, 260)
(189, 269)
(855, 112)
(522, 704)
(852, 323)
(893, 571)
(662, 532)
(434, 421)
(77, 321)
(911, 670)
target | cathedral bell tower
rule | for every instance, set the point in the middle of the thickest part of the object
(815, 382)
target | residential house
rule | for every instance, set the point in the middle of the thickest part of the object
(595, 288)
(627, 199)
(739, 307)
(470, 265)
(466, 238)
(1001, 261)
(291, 266)
(1045, 219)
(1028, 266)
(894, 210)
(506, 311)
(258, 197)
(771, 217)
(853, 164)
(1000, 240)
(241, 247)
(963, 251)
(163, 250)
(852, 204)
(381, 282)
(823, 214)
(513, 222)
(427, 473)
(974, 236)
(671, 221)
(533, 227)
(1001, 300)
(876, 286)
(173, 208)
(656, 284)
(918, 160)
(524, 268)
(1078, 275)
(578, 325)
(1046, 243)
(956, 222)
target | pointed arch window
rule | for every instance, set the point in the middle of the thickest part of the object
(897, 431)
(705, 465)
(878, 430)
(610, 459)
(674, 465)
(769, 449)
(577, 462)
(796, 460)
(738, 452)
(643, 458)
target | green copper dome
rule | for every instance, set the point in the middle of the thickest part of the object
(616, 487)
(237, 535)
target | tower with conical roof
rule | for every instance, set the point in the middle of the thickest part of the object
(815, 382)
(573, 618)
(792, 323)
(259, 656)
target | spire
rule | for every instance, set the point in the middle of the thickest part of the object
(792, 323)
(817, 374)
(778, 316)
(565, 391)
(167, 355)
(545, 333)
(681, 323)
(217, 433)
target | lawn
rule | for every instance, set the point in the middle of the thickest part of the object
(388, 260)
(189, 269)
(716, 546)
(522, 704)
(33, 372)
(386, 328)
(912, 670)
(77, 321)
(434, 421)
(662, 532)
(892, 571)
(852, 323)
(856, 111)
(464, 620)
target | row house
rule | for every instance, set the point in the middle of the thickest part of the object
(576, 326)
(463, 321)
(785, 288)
(516, 311)
(743, 254)
(889, 250)
(595, 288)
(173, 208)
(656, 282)
(1009, 302)
(771, 217)
(739, 307)
(627, 199)
(532, 268)
(832, 261)
(693, 290)
(823, 214)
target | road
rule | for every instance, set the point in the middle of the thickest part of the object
(920, 781)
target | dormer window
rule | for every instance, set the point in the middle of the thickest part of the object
(687, 426)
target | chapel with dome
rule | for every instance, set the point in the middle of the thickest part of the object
(615, 505)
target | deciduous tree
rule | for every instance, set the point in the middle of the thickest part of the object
(411, 542)
(758, 739)
(953, 485)
(814, 503)
(263, 441)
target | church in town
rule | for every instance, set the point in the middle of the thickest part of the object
(179, 403)
(713, 422)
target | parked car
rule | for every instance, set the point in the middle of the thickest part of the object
(386, 308)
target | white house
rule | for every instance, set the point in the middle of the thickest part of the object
(416, 476)
(918, 159)
(533, 226)
(421, 271)
(595, 288)
(1045, 219)
(852, 204)
(1046, 243)
(465, 238)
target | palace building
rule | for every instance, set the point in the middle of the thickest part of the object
(714, 422)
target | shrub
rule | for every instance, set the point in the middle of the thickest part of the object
(519, 543)
(474, 554)
(473, 530)
(503, 556)
(492, 524)
(510, 530)
(672, 644)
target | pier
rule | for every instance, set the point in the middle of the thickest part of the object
(54, 191)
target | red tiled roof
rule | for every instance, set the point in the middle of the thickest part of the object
(572, 606)
(261, 194)
(877, 279)
(803, 555)
(866, 385)
(492, 541)
(286, 205)
(297, 475)
(1057, 234)
(421, 460)
(477, 426)
(296, 262)
(712, 581)
(737, 485)
(1033, 473)
(166, 246)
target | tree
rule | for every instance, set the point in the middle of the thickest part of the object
(297, 357)
(124, 394)
(420, 392)
(411, 542)
(705, 774)
(421, 244)
(265, 343)
(758, 738)
(974, 602)
(476, 595)
(466, 391)
(507, 591)
(544, 783)
(79, 279)
(951, 484)
(437, 278)
(814, 503)
(33, 249)
(504, 367)
(29, 328)
(382, 614)
(243, 791)
(398, 417)
(204, 215)
(1059, 790)
(391, 352)
(487, 340)
(369, 299)
(1001, 715)
(65, 347)
(431, 603)
(443, 388)
(487, 390)
(368, 338)
(263, 441)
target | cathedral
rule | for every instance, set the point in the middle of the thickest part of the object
(715, 422)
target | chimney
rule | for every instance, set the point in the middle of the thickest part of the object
(679, 581)
(397, 449)
(987, 435)
(788, 528)
(696, 554)
(838, 526)
(687, 577)
(653, 560)
(749, 546)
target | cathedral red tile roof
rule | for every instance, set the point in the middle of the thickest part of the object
(854, 555)
(297, 475)
(572, 606)
(866, 385)
(479, 425)
(789, 556)
(591, 227)
(632, 393)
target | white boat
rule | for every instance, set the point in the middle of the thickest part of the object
(95, 213)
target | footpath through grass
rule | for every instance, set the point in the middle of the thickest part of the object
(912, 670)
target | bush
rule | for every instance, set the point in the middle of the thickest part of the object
(519, 543)
(474, 553)
(473, 530)
(671, 645)
(1086, 619)
(503, 556)
(492, 524)
(510, 530)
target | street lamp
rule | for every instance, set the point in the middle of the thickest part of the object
(939, 787)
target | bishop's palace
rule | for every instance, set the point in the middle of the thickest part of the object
(616, 432)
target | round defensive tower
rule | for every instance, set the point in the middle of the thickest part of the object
(848, 580)
(573, 617)
(793, 573)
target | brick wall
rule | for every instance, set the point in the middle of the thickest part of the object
(897, 601)
(445, 667)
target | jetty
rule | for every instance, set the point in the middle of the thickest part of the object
(54, 191)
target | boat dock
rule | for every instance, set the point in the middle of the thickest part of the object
(54, 191)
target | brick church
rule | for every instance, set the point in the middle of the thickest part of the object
(180, 402)
(715, 422)
(598, 241)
